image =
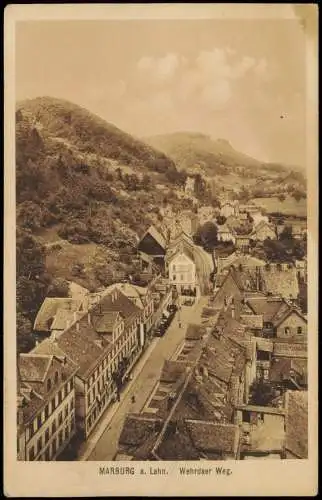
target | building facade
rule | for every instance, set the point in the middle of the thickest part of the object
(46, 405)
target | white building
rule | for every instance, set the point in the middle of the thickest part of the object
(182, 273)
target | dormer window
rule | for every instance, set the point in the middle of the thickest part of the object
(48, 385)
(56, 377)
(287, 330)
(299, 330)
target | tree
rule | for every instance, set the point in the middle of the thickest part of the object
(281, 197)
(221, 219)
(206, 235)
(59, 287)
(287, 233)
(25, 339)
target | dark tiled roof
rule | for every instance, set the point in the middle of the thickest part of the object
(172, 370)
(282, 368)
(290, 349)
(194, 332)
(210, 436)
(34, 367)
(266, 307)
(137, 429)
(105, 322)
(297, 423)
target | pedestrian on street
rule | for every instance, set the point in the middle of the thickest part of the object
(133, 399)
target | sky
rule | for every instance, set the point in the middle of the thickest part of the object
(240, 80)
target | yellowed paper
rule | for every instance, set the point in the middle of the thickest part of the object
(244, 93)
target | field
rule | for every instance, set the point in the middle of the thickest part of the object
(289, 207)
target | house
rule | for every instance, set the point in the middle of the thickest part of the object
(291, 324)
(182, 272)
(104, 344)
(229, 208)
(296, 445)
(262, 231)
(153, 244)
(288, 373)
(45, 404)
(225, 233)
(56, 313)
(242, 242)
(142, 297)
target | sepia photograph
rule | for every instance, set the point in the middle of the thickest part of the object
(162, 205)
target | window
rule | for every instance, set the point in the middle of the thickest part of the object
(39, 445)
(47, 436)
(60, 438)
(47, 455)
(60, 418)
(31, 429)
(48, 385)
(287, 330)
(46, 412)
(56, 378)
(53, 404)
(66, 411)
(299, 330)
(31, 453)
(53, 427)
(174, 277)
(181, 277)
(60, 397)
(39, 421)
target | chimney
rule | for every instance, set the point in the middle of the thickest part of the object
(232, 311)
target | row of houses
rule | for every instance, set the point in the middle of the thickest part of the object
(84, 354)
(201, 408)
(204, 405)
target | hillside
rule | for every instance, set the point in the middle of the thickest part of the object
(213, 156)
(82, 186)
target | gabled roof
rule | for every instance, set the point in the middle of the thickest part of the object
(278, 319)
(283, 368)
(172, 370)
(156, 235)
(261, 225)
(34, 367)
(49, 309)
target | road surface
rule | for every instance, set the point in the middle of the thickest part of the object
(106, 444)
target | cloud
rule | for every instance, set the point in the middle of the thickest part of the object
(162, 68)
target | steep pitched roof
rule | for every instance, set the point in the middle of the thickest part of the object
(194, 332)
(49, 309)
(210, 436)
(105, 322)
(267, 307)
(172, 370)
(34, 367)
(156, 235)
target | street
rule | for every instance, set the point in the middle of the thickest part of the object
(104, 447)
